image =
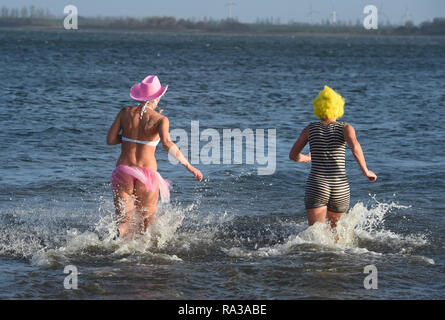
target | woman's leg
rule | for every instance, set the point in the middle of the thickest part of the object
(338, 201)
(124, 204)
(333, 218)
(316, 215)
(316, 198)
(146, 202)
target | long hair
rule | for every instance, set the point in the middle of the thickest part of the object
(146, 104)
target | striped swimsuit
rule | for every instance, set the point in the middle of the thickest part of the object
(327, 184)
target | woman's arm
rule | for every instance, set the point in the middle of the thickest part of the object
(171, 148)
(295, 153)
(113, 136)
(354, 145)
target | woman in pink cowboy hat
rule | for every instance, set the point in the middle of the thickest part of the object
(135, 180)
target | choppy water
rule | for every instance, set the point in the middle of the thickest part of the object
(237, 234)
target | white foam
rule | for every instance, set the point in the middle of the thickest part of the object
(360, 223)
(178, 230)
(104, 240)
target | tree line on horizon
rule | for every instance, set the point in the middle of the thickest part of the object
(25, 13)
(38, 17)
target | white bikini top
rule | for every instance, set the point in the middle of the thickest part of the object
(148, 143)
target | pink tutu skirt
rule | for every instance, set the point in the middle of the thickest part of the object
(125, 175)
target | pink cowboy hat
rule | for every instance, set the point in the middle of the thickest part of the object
(149, 89)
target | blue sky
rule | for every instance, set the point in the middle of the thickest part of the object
(246, 10)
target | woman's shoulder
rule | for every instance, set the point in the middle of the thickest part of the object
(314, 123)
(156, 119)
(158, 116)
(129, 109)
(348, 129)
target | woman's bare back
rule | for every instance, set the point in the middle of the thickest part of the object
(145, 129)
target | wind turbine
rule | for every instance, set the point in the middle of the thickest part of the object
(407, 17)
(333, 16)
(230, 5)
(311, 13)
(381, 13)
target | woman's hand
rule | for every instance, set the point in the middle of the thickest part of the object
(304, 158)
(370, 175)
(195, 172)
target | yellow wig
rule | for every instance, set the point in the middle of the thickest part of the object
(328, 104)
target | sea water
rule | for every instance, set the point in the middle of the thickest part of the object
(237, 234)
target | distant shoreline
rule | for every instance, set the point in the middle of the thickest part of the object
(222, 33)
(33, 18)
(39, 19)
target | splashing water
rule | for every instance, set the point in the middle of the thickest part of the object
(103, 241)
(188, 232)
(361, 230)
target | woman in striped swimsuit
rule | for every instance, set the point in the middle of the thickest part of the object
(327, 188)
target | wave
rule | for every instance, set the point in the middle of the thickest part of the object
(59, 236)
(103, 242)
(360, 231)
